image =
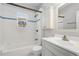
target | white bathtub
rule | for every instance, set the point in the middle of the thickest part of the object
(23, 51)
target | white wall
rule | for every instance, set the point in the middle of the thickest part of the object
(48, 16)
(69, 12)
(1, 27)
(48, 19)
(77, 19)
(50, 32)
(38, 24)
(12, 37)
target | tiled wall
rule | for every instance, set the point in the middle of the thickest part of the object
(51, 32)
(48, 32)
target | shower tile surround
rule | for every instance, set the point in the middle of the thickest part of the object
(13, 40)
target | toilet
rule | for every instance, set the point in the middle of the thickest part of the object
(37, 50)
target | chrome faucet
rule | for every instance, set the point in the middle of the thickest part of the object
(65, 38)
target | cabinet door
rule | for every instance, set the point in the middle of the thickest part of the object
(54, 50)
(43, 51)
(48, 53)
(43, 48)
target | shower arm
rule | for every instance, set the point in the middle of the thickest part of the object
(2, 17)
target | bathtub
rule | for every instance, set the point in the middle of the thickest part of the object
(22, 51)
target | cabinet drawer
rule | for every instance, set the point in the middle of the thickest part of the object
(58, 50)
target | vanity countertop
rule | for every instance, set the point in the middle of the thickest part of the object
(64, 44)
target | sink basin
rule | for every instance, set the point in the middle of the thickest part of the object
(70, 42)
(74, 43)
(64, 43)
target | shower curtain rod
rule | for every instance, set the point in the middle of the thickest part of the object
(13, 4)
(2, 17)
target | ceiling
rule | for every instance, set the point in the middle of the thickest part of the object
(31, 5)
(37, 5)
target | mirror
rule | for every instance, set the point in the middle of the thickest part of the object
(68, 16)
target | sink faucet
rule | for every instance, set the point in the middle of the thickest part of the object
(65, 38)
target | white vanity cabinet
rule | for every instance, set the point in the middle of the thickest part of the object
(50, 49)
